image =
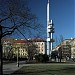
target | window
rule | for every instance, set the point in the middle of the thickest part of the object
(42, 50)
(67, 42)
(42, 43)
(23, 50)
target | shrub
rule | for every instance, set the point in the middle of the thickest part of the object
(42, 58)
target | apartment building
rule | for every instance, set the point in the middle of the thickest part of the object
(67, 48)
(41, 45)
(7, 44)
(65, 52)
(21, 46)
(72, 43)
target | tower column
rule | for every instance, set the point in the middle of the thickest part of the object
(50, 31)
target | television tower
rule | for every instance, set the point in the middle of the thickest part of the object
(50, 31)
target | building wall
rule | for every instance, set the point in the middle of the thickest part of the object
(72, 43)
(21, 46)
(65, 51)
(7, 48)
(66, 42)
(41, 47)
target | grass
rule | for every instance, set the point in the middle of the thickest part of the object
(46, 69)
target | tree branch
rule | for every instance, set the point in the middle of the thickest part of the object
(1, 20)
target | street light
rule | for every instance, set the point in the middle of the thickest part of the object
(18, 56)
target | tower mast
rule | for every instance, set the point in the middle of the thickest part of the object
(50, 31)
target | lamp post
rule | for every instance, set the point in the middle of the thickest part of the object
(18, 56)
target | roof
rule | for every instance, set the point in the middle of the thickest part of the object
(38, 40)
(20, 41)
(23, 40)
(7, 39)
(29, 40)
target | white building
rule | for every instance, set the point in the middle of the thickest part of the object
(72, 43)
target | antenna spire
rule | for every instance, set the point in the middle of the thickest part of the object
(48, 1)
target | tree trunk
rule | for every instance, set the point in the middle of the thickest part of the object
(1, 59)
(60, 59)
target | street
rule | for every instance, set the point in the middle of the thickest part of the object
(11, 67)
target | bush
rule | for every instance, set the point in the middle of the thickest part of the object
(42, 58)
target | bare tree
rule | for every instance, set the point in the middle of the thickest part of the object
(61, 39)
(31, 49)
(16, 17)
(56, 41)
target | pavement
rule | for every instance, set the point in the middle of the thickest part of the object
(12, 67)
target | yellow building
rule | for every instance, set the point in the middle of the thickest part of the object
(21, 46)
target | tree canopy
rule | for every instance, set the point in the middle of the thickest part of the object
(16, 17)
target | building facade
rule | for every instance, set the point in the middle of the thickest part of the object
(7, 45)
(65, 52)
(72, 43)
(66, 48)
(23, 47)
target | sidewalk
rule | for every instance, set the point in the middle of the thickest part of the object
(11, 67)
